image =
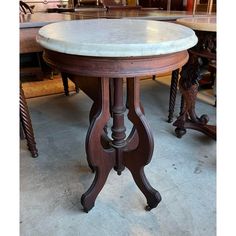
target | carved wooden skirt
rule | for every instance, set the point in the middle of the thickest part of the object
(102, 80)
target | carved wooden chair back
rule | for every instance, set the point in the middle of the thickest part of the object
(24, 7)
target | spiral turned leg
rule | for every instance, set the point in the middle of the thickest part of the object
(77, 89)
(173, 92)
(27, 125)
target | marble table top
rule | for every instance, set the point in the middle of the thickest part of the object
(199, 23)
(116, 37)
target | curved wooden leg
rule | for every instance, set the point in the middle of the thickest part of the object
(95, 109)
(173, 92)
(27, 125)
(102, 172)
(102, 160)
(136, 159)
(134, 152)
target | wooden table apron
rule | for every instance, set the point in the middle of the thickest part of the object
(101, 78)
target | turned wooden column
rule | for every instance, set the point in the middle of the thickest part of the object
(118, 129)
(173, 93)
(27, 125)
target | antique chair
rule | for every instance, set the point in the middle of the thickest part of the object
(118, 5)
(24, 7)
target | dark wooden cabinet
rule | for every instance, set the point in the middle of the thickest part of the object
(176, 5)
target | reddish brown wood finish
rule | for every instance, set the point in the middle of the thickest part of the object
(65, 78)
(173, 92)
(27, 125)
(103, 153)
(115, 67)
(188, 85)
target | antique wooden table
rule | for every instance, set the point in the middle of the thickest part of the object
(143, 13)
(100, 54)
(31, 23)
(205, 29)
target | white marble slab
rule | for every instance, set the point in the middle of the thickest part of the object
(116, 37)
(199, 23)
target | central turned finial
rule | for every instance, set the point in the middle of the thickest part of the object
(118, 129)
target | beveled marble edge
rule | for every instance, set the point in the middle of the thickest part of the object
(199, 23)
(122, 50)
(107, 49)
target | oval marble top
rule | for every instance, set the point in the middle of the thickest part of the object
(199, 23)
(116, 37)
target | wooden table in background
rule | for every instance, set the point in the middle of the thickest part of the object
(205, 28)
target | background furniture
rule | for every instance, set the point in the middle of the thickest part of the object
(43, 5)
(26, 128)
(24, 7)
(111, 4)
(29, 49)
(31, 52)
(205, 28)
(176, 5)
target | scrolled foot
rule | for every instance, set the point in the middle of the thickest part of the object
(153, 202)
(204, 119)
(180, 132)
(87, 206)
